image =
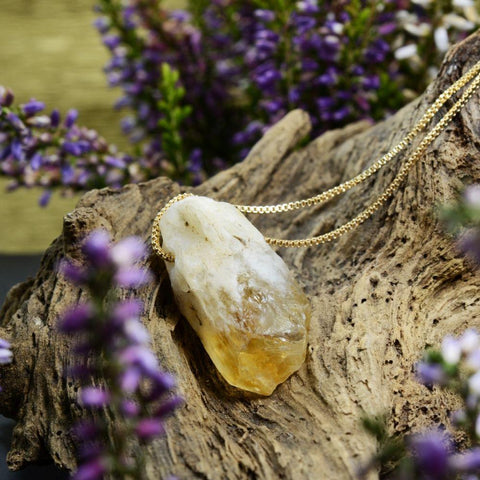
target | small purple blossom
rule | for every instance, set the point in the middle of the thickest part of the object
(6, 97)
(132, 277)
(32, 107)
(149, 428)
(431, 373)
(94, 469)
(431, 450)
(468, 461)
(94, 397)
(6, 354)
(71, 118)
(128, 252)
(471, 196)
(76, 318)
(73, 273)
(45, 198)
(96, 249)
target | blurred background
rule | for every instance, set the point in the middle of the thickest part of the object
(48, 50)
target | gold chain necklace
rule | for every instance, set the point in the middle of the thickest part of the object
(246, 312)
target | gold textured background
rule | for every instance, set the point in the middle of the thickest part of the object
(49, 50)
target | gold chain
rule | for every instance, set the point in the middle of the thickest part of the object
(472, 75)
(168, 257)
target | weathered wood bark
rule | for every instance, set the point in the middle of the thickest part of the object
(380, 295)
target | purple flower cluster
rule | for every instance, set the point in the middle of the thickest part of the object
(41, 150)
(462, 220)
(241, 66)
(141, 37)
(246, 66)
(434, 458)
(113, 346)
(456, 367)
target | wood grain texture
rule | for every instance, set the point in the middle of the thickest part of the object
(380, 295)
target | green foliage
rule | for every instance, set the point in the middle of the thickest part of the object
(391, 448)
(173, 115)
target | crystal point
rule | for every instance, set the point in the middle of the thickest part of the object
(236, 292)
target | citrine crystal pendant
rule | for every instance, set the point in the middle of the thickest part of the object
(236, 292)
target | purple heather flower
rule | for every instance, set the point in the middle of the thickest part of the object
(86, 430)
(468, 461)
(93, 397)
(341, 113)
(469, 340)
(17, 150)
(32, 107)
(126, 310)
(308, 6)
(128, 124)
(96, 249)
(471, 196)
(458, 418)
(148, 428)
(6, 354)
(162, 383)
(431, 450)
(135, 331)
(325, 103)
(15, 122)
(169, 406)
(76, 319)
(93, 470)
(267, 77)
(430, 373)
(474, 384)
(180, 15)
(141, 357)
(128, 251)
(472, 360)
(132, 277)
(130, 379)
(469, 244)
(76, 149)
(387, 28)
(130, 408)
(6, 97)
(111, 41)
(102, 24)
(195, 161)
(451, 350)
(68, 174)
(75, 274)
(265, 15)
(71, 118)
(45, 198)
(371, 82)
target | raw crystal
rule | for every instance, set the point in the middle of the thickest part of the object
(236, 292)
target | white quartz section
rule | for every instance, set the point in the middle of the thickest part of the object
(235, 291)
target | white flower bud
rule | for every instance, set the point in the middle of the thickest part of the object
(451, 350)
(420, 30)
(473, 360)
(474, 384)
(463, 3)
(458, 22)
(406, 52)
(441, 39)
(469, 341)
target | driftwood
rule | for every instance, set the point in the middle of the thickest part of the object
(380, 295)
